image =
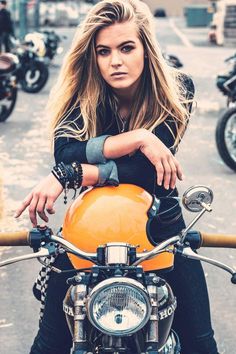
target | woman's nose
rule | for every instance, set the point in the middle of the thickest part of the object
(116, 59)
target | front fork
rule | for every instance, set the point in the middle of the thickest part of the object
(79, 339)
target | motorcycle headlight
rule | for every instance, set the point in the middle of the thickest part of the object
(119, 306)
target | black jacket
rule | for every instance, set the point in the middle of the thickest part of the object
(6, 25)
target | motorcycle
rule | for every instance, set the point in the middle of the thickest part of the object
(116, 303)
(226, 137)
(8, 84)
(226, 125)
(51, 42)
(226, 83)
(32, 72)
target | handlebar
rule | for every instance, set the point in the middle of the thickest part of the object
(218, 240)
(196, 239)
(19, 238)
(44, 236)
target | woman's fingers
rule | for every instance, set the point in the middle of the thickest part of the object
(41, 199)
(49, 205)
(179, 171)
(160, 172)
(41, 208)
(173, 174)
(168, 170)
(24, 205)
(167, 173)
(32, 209)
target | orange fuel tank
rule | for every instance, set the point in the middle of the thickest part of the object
(111, 214)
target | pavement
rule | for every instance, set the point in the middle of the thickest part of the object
(25, 158)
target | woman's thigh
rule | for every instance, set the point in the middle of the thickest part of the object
(192, 318)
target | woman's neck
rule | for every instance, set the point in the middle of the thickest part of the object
(124, 105)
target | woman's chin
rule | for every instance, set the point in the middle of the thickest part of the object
(121, 86)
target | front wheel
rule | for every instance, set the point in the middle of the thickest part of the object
(226, 137)
(7, 102)
(34, 76)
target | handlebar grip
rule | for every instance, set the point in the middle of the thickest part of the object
(19, 238)
(218, 240)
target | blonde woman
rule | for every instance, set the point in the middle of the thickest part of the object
(118, 114)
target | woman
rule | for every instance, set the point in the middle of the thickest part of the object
(119, 113)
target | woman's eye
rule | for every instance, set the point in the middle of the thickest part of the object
(127, 48)
(103, 51)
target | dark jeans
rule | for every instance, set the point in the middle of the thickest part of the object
(192, 318)
(4, 42)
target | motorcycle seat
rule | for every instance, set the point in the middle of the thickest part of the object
(8, 63)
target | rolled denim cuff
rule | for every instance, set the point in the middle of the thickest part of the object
(94, 150)
(108, 174)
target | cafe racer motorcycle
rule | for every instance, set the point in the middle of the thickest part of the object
(117, 302)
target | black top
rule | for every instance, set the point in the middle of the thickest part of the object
(135, 169)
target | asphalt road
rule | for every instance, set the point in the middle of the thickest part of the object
(25, 158)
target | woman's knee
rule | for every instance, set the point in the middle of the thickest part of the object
(48, 341)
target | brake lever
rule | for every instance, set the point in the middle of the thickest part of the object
(189, 253)
(43, 252)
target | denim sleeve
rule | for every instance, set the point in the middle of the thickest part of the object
(94, 149)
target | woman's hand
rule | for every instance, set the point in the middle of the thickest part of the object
(167, 167)
(41, 198)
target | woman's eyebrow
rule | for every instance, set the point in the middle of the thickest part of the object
(120, 45)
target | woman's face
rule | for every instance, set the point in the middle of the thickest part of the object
(120, 56)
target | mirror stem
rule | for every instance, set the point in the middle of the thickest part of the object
(193, 222)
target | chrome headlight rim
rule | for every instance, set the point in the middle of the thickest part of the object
(112, 282)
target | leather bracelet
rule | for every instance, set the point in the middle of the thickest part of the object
(69, 176)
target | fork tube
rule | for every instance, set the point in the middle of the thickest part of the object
(152, 336)
(79, 339)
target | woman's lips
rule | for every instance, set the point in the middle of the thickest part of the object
(118, 74)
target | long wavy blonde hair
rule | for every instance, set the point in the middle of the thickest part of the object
(80, 84)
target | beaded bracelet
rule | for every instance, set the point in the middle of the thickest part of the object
(69, 176)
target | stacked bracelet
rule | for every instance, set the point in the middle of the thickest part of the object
(70, 176)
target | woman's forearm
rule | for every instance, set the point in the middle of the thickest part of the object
(124, 144)
(90, 175)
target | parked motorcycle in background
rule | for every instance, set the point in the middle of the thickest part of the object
(32, 72)
(8, 84)
(226, 126)
(51, 42)
(226, 82)
(117, 302)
